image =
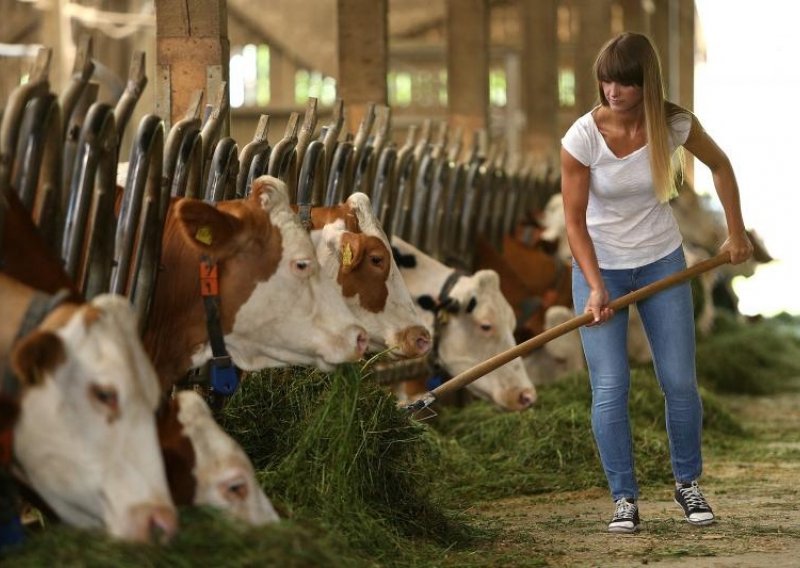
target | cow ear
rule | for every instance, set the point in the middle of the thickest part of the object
(269, 192)
(208, 229)
(36, 354)
(352, 250)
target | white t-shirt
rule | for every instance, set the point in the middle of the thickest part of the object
(628, 225)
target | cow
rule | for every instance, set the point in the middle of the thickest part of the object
(205, 466)
(558, 357)
(275, 307)
(354, 251)
(475, 322)
(227, 480)
(85, 436)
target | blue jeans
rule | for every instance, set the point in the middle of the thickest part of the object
(668, 319)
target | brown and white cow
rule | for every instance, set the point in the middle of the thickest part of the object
(354, 252)
(205, 466)
(85, 437)
(226, 481)
(276, 308)
(558, 357)
(481, 326)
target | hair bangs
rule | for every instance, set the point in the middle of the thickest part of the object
(614, 66)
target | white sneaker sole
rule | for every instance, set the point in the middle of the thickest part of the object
(623, 530)
(703, 523)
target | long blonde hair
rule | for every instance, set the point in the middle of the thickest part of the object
(631, 59)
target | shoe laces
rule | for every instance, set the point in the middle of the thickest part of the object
(625, 509)
(693, 496)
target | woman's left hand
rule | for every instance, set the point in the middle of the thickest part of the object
(739, 247)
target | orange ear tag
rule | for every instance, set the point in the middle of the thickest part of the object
(204, 235)
(347, 255)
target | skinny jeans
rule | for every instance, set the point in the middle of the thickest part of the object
(668, 320)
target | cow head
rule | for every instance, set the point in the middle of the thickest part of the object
(205, 466)
(482, 327)
(354, 252)
(479, 324)
(85, 439)
(276, 308)
(554, 227)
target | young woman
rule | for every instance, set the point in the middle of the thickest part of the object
(618, 176)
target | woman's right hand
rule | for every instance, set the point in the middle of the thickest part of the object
(597, 305)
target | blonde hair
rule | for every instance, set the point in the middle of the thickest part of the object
(631, 59)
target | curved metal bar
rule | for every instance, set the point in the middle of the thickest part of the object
(258, 167)
(176, 147)
(307, 129)
(472, 199)
(437, 200)
(14, 112)
(310, 181)
(341, 167)
(139, 231)
(453, 201)
(81, 73)
(332, 134)
(258, 145)
(137, 81)
(364, 130)
(188, 178)
(73, 130)
(403, 184)
(383, 189)
(282, 158)
(420, 200)
(213, 124)
(221, 182)
(38, 175)
(361, 175)
(89, 227)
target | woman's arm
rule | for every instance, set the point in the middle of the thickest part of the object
(575, 191)
(703, 147)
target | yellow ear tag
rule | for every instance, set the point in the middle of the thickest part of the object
(347, 255)
(204, 235)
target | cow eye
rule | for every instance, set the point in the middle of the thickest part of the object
(106, 398)
(301, 267)
(376, 260)
(486, 327)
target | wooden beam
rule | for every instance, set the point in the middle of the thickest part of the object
(540, 80)
(192, 52)
(595, 30)
(468, 64)
(362, 55)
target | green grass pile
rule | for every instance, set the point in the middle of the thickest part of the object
(205, 539)
(334, 450)
(491, 454)
(754, 358)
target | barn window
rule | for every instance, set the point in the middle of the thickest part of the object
(498, 90)
(249, 76)
(399, 88)
(566, 87)
(314, 84)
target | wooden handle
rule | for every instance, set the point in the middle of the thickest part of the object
(466, 377)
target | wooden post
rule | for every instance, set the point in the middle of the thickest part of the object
(634, 16)
(363, 49)
(468, 64)
(686, 56)
(595, 30)
(540, 80)
(660, 32)
(192, 52)
(281, 79)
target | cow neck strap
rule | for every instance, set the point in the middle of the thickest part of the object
(224, 376)
(445, 305)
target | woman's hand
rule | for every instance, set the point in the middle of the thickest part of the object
(739, 247)
(597, 305)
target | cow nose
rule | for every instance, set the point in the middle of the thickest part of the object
(526, 398)
(362, 342)
(415, 341)
(154, 523)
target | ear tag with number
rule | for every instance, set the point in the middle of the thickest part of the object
(204, 235)
(347, 255)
